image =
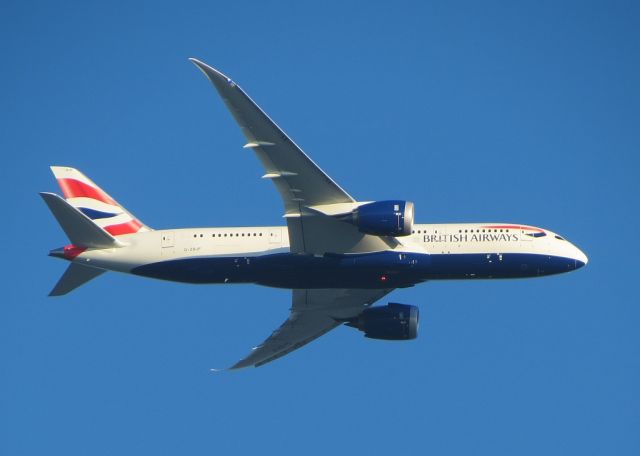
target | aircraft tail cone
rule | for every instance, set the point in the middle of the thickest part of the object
(58, 253)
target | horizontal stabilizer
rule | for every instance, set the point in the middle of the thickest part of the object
(79, 228)
(75, 275)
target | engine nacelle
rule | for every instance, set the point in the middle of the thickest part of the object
(385, 218)
(391, 322)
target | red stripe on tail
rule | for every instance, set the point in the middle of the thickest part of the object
(123, 228)
(72, 188)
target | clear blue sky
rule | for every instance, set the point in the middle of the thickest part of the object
(523, 112)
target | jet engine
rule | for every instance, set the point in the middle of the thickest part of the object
(384, 218)
(391, 322)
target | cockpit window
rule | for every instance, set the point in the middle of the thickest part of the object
(560, 237)
(537, 234)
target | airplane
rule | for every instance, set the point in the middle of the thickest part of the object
(338, 255)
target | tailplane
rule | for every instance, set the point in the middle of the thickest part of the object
(80, 229)
(83, 234)
(75, 275)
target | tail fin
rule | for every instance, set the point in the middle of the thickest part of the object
(83, 194)
(75, 275)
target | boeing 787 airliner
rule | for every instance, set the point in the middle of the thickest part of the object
(337, 255)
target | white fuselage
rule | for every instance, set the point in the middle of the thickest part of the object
(261, 255)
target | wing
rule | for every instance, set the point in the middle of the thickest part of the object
(302, 185)
(314, 313)
(297, 178)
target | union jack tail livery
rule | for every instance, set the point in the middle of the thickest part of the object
(83, 194)
(91, 219)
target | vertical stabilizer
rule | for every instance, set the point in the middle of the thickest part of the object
(83, 194)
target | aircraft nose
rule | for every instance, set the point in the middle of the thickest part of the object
(580, 258)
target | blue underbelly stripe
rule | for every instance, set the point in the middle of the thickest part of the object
(370, 270)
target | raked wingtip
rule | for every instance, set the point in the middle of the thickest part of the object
(213, 74)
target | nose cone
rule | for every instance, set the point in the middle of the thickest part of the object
(580, 258)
